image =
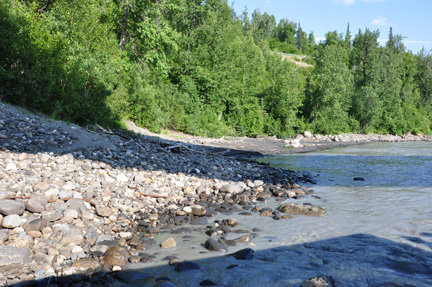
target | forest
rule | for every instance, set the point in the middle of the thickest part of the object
(196, 66)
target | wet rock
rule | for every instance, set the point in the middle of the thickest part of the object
(299, 209)
(182, 230)
(186, 265)
(214, 245)
(11, 221)
(243, 239)
(231, 222)
(207, 282)
(36, 203)
(9, 206)
(116, 256)
(168, 243)
(13, 259)
(359, 178)
(198, 210)
(86, 264)
(244, 254)
(321, 281)
(164, 284)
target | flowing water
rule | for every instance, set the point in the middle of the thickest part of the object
(377, 232)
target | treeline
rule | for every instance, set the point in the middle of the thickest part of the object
(197, 67)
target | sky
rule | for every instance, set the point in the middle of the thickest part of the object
(410, 18)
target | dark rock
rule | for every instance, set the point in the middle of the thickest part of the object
(182, 230)
(359, 178)
(207, 282)
(186, 265)
(214, 245)
(299, 209)
(35, 225)
(243, 239)
(244, 254)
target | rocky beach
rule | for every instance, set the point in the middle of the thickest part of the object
(79, 206)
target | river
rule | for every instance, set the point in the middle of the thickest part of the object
(377, 232)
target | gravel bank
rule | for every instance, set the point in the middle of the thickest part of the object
(77, 206)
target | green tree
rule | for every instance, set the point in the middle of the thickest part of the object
(332, 91)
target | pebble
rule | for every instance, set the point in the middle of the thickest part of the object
(11, 221)
(169, 243)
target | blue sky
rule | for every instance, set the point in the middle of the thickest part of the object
(410, 18)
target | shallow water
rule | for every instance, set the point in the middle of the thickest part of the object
(377, 232)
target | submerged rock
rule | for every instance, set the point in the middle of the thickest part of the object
(321, 281)
(301, 209)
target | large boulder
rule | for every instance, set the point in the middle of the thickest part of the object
(301, 209)
(13, 259)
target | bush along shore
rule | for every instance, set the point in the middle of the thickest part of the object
(78, 206)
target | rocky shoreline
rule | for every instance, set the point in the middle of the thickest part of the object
(77, 206)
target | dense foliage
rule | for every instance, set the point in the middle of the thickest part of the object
(197, 67)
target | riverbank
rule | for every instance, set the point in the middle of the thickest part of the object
(78, 206)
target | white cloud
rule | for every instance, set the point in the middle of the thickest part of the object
(380, 21)
(345, 2)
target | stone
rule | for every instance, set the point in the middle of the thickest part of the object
(104, 211)
(23, 241)
(52, 215)
(9, 206)
(186, 265)
(214, 245)
(11, 221)
(99, 250)
(307, 134)
(36, 224)
(258, 183)
(116, 256)
(244, 254)
(4, 235)
(207, 282)
(72, 237)
(86, 264)
(198, 210)
(36, 204)
(70, 213)
(321, 281)
(105, 240)
(13, 259)
(359, 178)
(232, 222)
(301, 209)
(243, 239)
(40, 186)
(11, 167)
(168, 243)
(231, 188)
(23, 156)
(182, 230)
(122, 178)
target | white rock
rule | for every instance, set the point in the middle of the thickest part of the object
(187, 209)
(122, 178)
(11, 166)
(11, 221)
(71, 213)
(307, 134)
(76, 249)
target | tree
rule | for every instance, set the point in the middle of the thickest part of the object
(332, 91)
